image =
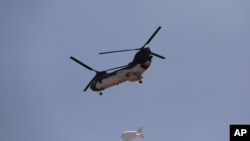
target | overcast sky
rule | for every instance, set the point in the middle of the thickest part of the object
(201, 88)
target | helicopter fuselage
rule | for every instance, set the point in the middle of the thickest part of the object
(130, 73)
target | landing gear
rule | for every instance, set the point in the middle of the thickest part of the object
(140, 81)
(100, 93)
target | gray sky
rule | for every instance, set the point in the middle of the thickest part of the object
(195, 94)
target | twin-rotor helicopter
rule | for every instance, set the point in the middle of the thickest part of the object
(131, 72)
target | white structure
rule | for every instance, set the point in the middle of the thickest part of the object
(128, 135)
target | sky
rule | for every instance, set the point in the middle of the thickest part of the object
(194, 94)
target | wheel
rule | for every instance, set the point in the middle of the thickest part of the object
(140, 81)
(100, 93)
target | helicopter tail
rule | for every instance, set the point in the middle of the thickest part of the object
(139, 133)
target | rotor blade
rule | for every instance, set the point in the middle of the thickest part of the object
(85, 89)
(117, 68)
(152, 36)
(81, 63)
(157, 55)
(118, 51)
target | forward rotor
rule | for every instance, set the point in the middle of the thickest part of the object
(152, 36)
(141, 48)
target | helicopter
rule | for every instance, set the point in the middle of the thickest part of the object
(131, 72)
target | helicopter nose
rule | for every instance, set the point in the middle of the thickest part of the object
(150, 57)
